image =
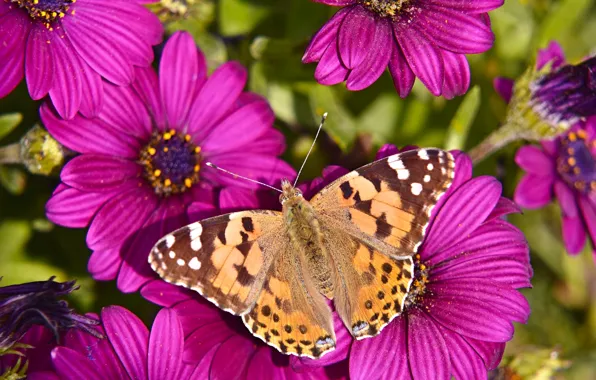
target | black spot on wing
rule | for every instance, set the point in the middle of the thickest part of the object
(346, 189)
(247, 224)
(383, 228)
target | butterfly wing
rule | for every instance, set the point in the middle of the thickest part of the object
(224, 258)
(384, 208)
(290, 314)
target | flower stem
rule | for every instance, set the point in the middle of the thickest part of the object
(11, 154)
(495, 141)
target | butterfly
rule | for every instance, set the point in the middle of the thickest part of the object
(352, 243)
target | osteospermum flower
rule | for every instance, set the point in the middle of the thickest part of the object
(565, 170)
(37, 303)
(463, 300)
(66, 47)
(31, 355)
(143, 158)
(129, 351)
(414, 38)
(223, 348)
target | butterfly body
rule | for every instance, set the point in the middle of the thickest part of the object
(353, 243)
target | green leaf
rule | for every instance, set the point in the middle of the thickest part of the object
(380, 118)
(14, 235)
(8, 122)
(563, 18)
(240, 17)
(457, 133)
(339, 124)
(13, 179)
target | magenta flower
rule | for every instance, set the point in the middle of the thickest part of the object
(142, 160)
(130, 350)
(414, 38)
(463, 301)
(225, 349)
(39, 365)
(66, 47)
(564, 169)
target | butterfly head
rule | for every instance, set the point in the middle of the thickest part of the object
(289, 192)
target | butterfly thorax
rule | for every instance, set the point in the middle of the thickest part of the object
(306, 236)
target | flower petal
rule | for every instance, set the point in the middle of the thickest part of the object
(505, 206)
(534, 191)
(14, 29)
(552, 53)
(216, 98)
(588, 209)
(39, 62)
(164, 294)
(356, 35)
(146, 86)
(566, 198)
(461, 214)
(89, 136)
(427, 350)
(74, 208)
(120, 217)
(476, 6)
(124, 111)
(534, 160)
(326, 36)
(456, 32)
(67, 90)
(465, 361)
(490, 352)
(263, 168)
(232, 358)
(166, 343)
(239, 128)
(574, 234)
(389, 346)
(104, 264)
(206, 337)
(504, 87)
(72, 365)
(196, 312)
(129, 337)
(457, 74)
(261, 366)
(423, 56)
(401, 73)
(330, 70)
(95, 173)
(375, 63)
(179, 76)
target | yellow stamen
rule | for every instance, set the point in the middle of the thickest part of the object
(197, 168)
(576, 170)
(571, 161)
(572, 136)
(187, 182)
(570, 151)
(187, 138)
(157, 172)
(167, 182)
(198, 150)
(165, 149)
(167, 136)
(152, 151)
(582, 134)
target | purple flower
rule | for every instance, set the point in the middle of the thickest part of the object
(129, 351)
(463, 302)
(564, 169)
(561, 94)
(40, 341)
(66, 47)
(414, 38)
(143, 157)
(37, 303)
(225, 349)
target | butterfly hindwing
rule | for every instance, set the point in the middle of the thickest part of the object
(224, 258)
(290, 314)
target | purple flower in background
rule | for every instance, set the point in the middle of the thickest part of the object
(142, 160)
(40, 341)
(225, 349)
(37, 303)
(414, 38)
(129, 351)
(463, 301)
(66, 47)
(564, 94)
(564, 169)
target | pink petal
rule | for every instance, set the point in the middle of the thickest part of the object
(179, 76)
(552, 53)
(371, 68)
(232, 358)
(14, 30)
(534, 160)
(261, 366)
(129, 337)
(401, 73)
(166, 343)
(326, 36)
(423, 56)
(330, 70)
(490, 352)
(39, 62)
(146, 85)
(356, 35)
(104, 264)
(164, 294)
(567, 199)
(427, 350)
(574, 234)
(505, 206)
(336, 3)
(74, 208)
(92, 84)
(465, 361)
(196, 312)
(125, 111)
(216, 98)
(97, 173)
(504, 87)
(457, 74)
(67, 90)
(476, 6)
(206, 337)
(534, 191)
(70, 364)
(263, 168)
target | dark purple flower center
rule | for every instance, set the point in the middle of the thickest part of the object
(576, 163)
(172, 162)
(45, 10)
(418, 287)
(386, 8)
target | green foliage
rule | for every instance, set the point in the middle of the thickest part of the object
(269, 37)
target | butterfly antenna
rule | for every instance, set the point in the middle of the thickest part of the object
(312, 146)
(211, 165)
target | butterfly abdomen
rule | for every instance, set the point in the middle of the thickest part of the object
(307, 239)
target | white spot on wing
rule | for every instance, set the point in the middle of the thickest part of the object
(396, 164)
(180, 262)
(196, 244)
(194, 263)
(170, 240)
(427, 178)
(172, 255)
(423, 154)
(416, 188)
(430, 167)
(195, 230)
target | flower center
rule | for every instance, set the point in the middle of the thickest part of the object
(45, 10)
(386, 8)
(172, 162)
(418, 287)
(576, 163)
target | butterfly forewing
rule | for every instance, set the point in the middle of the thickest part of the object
(224, 258)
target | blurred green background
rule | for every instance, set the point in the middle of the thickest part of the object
(269, 37)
